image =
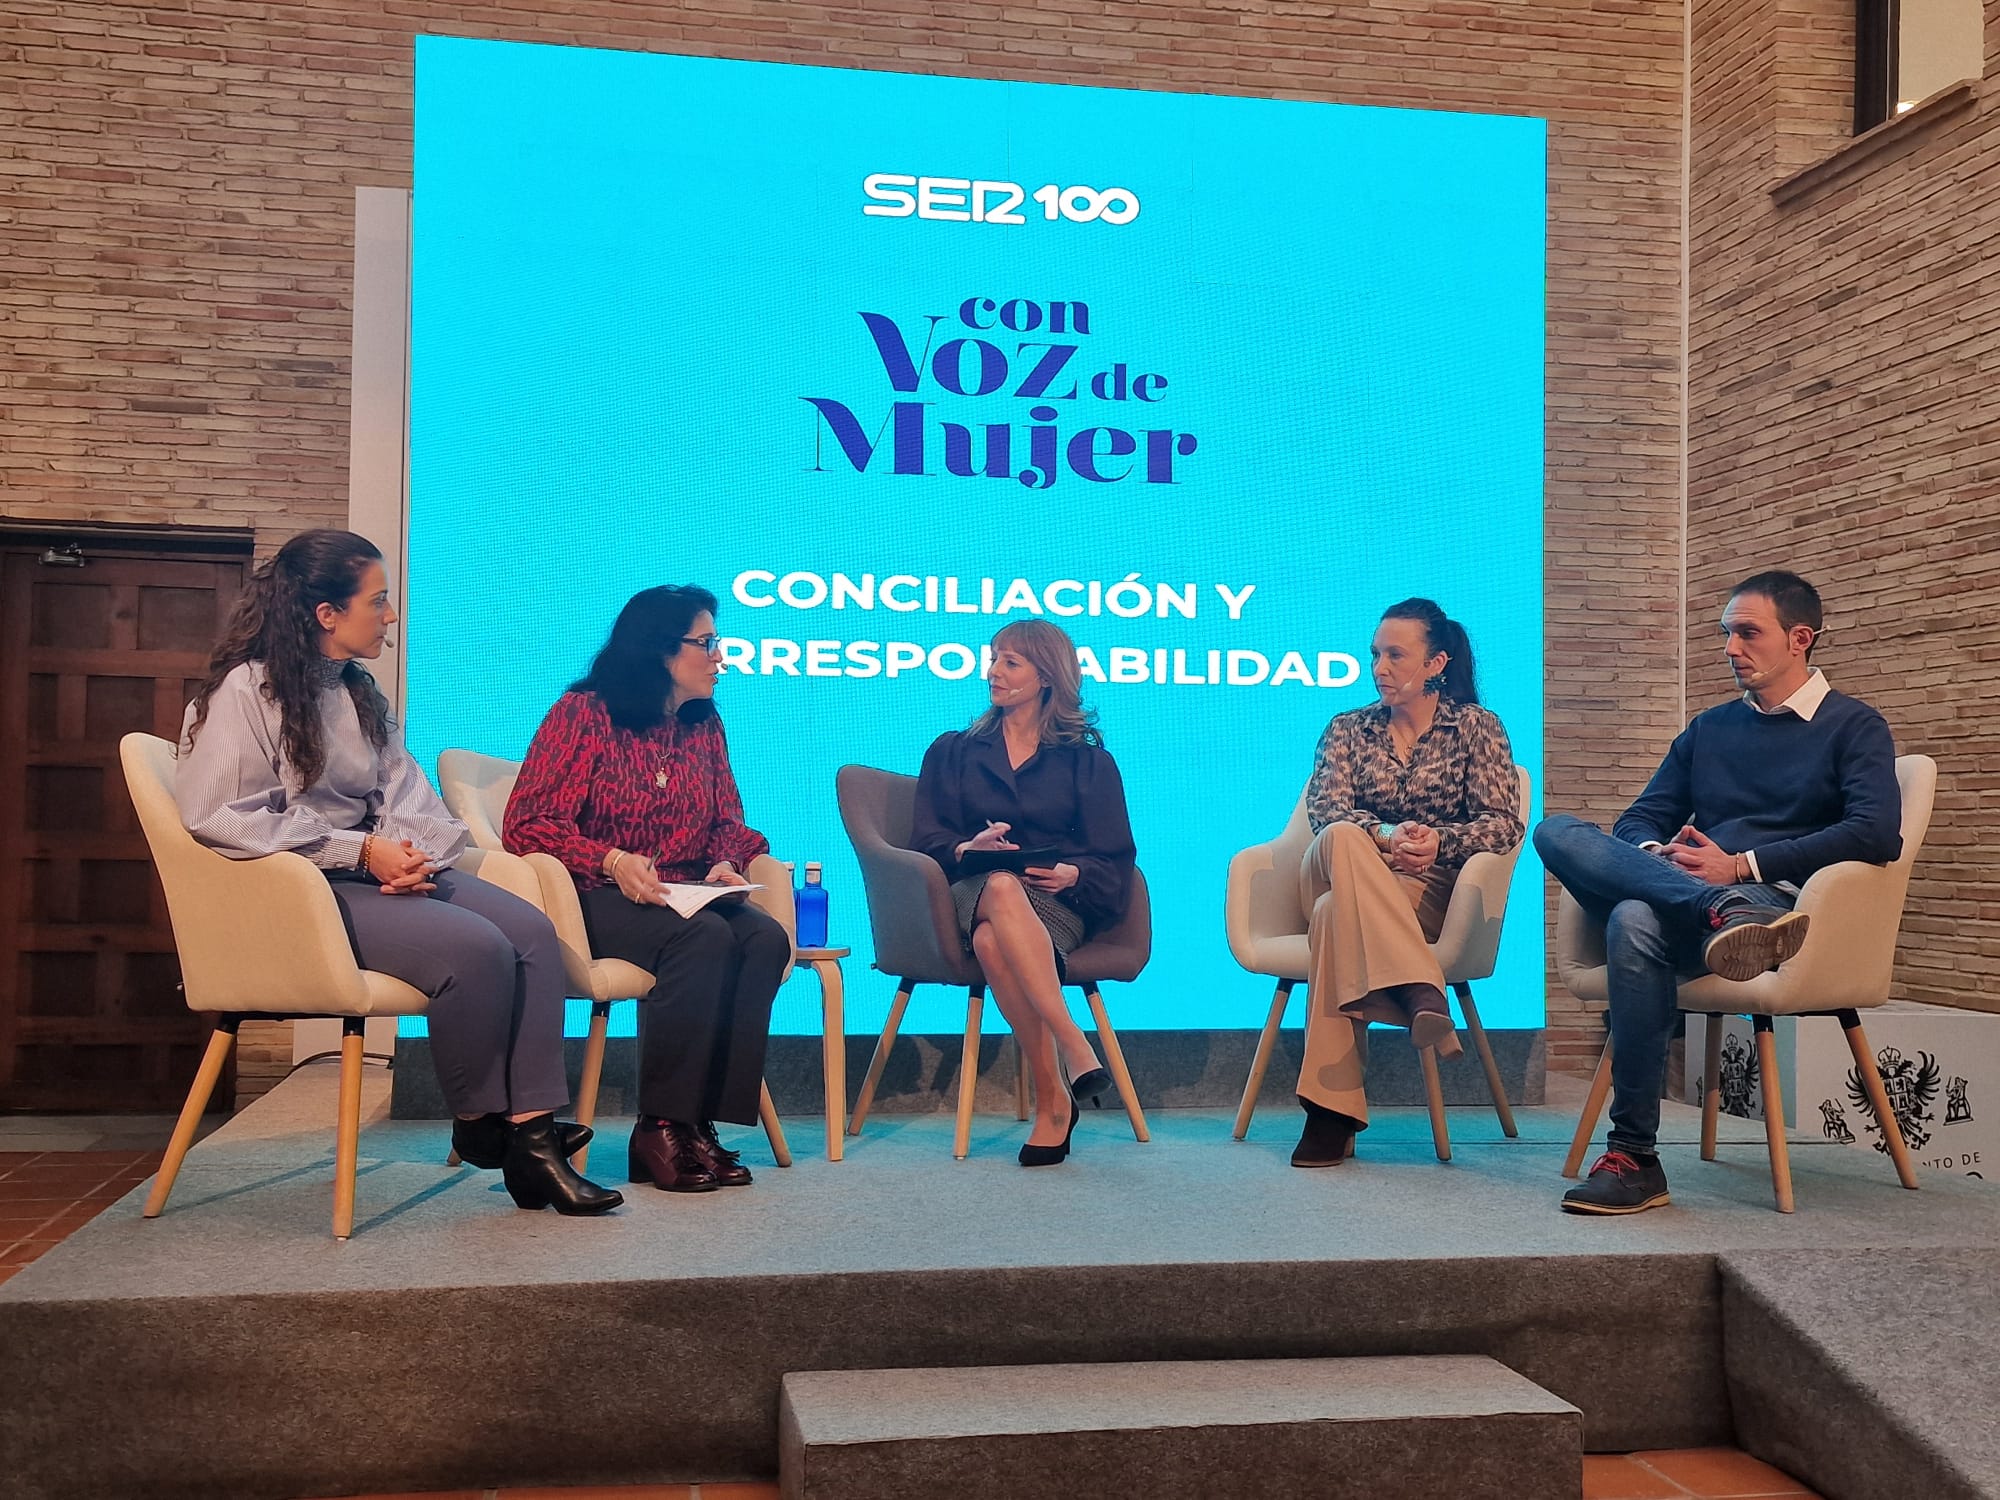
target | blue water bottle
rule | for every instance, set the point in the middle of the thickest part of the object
(812, 909)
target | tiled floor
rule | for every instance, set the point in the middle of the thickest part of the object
(1687, 1474)
(46, 1194)
(1700, 1473)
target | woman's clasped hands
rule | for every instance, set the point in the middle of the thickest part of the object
(400, 866)
(1413, 849)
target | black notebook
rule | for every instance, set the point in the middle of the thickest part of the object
(985, 861)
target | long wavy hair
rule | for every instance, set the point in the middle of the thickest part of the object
(629, 674)
(276, 624)
(1048, 648)
(1459, 681)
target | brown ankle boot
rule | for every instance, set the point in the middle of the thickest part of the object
(665, 1153)
(1430, 1019)
(1327, 1140)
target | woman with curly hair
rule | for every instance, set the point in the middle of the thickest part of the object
(1032, 773)
(289, 746)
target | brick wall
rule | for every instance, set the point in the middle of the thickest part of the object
(175, 265)
(1843, 347)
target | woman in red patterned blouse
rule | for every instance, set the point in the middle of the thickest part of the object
(628, 784)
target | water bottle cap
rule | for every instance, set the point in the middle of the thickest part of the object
(812, 867)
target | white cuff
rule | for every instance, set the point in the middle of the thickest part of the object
(1651, 846)
(1750, 859)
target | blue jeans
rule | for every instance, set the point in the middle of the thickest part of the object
(1656, 918)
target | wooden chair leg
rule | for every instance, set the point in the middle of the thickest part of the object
(206, 1077)
(968, 1072)
(1485, 1049)
(833, 1051)
(1711, 1095)
(1774, 1112)
(1114, 1059)
(881, 1058)
(774, 1131)
(1434, 1092)
(347, 1127)
(593, 1074)
(1267, 1042)
(1593, 1107)
(1878, 1097)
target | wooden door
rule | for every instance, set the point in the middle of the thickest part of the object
(91, 1014)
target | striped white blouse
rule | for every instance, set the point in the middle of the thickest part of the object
(240, 797)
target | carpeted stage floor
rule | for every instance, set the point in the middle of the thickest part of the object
(232, 1347)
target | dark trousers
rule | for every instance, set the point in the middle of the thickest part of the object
(1655, 917)
(703, 1029)
(493, 970)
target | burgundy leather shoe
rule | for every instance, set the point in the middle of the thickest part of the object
(725, 1165)
(667, 1154)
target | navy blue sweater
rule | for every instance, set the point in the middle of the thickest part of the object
(1798, 795)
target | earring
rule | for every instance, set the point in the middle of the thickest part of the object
(1434, 684)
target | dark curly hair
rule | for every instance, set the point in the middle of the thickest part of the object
(275, 623)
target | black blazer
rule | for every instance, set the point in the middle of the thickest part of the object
(1066, 797)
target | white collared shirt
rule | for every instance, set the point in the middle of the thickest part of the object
(1804, 702)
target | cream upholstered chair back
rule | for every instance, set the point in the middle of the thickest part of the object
(476, 788)
(1266, 926)
(1849, 953)
(260, 935)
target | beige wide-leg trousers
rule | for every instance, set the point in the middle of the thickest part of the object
(1370, 929)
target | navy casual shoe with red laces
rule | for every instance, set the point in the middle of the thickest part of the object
(1619, 1183)
(1751, 940)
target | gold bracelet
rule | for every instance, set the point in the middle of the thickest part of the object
(610, 865)
(367, 843)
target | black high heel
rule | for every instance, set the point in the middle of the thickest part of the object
(538, 1175)
(1049, 1156)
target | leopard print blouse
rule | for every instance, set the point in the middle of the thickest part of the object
(1459, 779)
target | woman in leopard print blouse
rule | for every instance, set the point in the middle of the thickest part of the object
(1402, 793)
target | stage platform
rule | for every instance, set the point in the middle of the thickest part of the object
(232, 1348)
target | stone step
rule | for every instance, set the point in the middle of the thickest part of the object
(1415, 1426)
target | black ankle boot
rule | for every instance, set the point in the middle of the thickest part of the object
(482, 1142)
(538, 1173)
(1327, 1138)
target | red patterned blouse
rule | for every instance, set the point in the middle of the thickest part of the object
(588, 786)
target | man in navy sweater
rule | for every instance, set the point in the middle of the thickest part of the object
(1701, 873)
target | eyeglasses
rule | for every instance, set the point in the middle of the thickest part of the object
(707, 642)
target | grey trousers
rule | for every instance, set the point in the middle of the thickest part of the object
(491, 966)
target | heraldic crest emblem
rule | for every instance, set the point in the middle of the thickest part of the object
(1911, 1086)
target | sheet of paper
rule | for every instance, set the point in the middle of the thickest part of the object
(689, 897)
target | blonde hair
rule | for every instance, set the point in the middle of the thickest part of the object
(1050, 651)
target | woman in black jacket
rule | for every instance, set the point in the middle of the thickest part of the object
(1032, 773)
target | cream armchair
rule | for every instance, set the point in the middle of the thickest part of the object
(1267, 935)
(259, 939)
(1843, 968)
(476, 788)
